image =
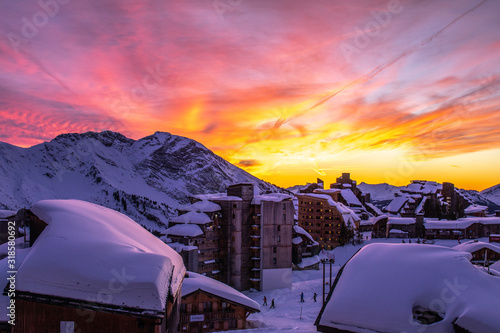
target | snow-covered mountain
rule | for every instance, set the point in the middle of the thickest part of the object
(147, 179)
(380, 192)
(492, 193)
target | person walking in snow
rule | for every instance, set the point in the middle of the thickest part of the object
(272, 304)
(302, 297)
(265, 301)
(314, 297)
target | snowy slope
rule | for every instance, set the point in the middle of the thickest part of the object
(147, 179)
(380, 192)
(492, 193)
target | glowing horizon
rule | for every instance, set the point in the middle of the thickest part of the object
(389, 91)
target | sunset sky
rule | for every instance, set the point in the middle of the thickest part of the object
(289, 90)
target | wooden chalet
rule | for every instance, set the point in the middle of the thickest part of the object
(92, 269)
(209, 306)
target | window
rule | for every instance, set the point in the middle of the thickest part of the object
(234, 205)
(274, 249)
(279, 228)
(279, 239)
(67, 326)
(207, 306)
(274, 261)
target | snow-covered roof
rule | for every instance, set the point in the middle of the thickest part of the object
(297, 240)
(301, 231)
(85, 246)
(382, 284)
(445, 224)
(326, 190)
(396, 204)
(306, 262)
(350, 198)
(401, 220)
(192, 217)
(203, 206)
(218, 197)
(6, 213)
(185, 230)
(276, 197)
(420, 207)
(179, 247)
(374, 208)
(397, 231)
(475, 209)
(473, 246)
(194, 282)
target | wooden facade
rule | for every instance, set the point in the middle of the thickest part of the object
(48, 314)
(204, 312)
(320, 220)
(479, 256)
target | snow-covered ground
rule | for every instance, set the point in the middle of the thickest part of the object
(292, 315)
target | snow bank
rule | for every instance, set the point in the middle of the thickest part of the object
(92, 253)
(383, 284)
(194, 282)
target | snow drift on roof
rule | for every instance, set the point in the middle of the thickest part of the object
(85, 247)
(218, 197)
(382, 284)
(301, 231)
(203, 206)
(276, 197)
(401, 220)
(192, 217)
(195, 281)
(475, 209)
(350, 198)
(396, 204)
(6, 213)
(473, 246)
(185, 230)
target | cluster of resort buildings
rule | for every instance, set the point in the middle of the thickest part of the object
(112, 273)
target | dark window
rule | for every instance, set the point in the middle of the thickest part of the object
(279, 228)
(207, 306)
(274, 261)
(274, 249)
(279, 239)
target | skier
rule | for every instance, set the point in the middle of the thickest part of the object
(302, 297)
(265, 301)
(272, 304)
(314, 297)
